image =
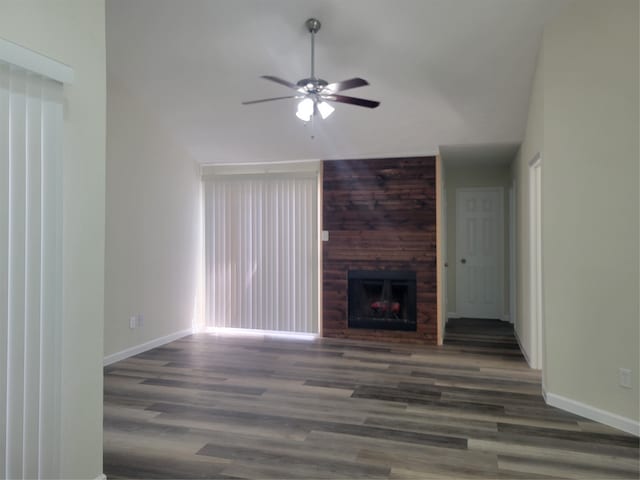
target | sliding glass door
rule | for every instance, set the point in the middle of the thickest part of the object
(261, 251)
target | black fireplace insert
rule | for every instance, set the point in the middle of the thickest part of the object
(382, 299)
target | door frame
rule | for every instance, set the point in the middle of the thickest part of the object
(441, 249)
(513, 253)
(500, 227)
(536, 305)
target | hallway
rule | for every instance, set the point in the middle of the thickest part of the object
(478, 335)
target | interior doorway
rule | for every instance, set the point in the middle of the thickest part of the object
(477, 243)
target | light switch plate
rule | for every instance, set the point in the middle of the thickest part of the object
(325, 235)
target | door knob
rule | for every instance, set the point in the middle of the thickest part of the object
(464, 260)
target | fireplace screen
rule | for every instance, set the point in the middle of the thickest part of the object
(382, 299)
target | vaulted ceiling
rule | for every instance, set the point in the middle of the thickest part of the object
(447, 72)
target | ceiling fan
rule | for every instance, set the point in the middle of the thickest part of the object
(315, 93)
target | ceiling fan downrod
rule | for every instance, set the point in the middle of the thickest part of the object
(313, 25)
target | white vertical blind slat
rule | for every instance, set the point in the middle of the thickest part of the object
(51, 284)
(31, 421)
(208, 242)
(270, 217)
(218, 275)
(279, 292)
(17, 255)
(254, 280)
(262, 274)
(291, 256)
(302, 264)
(4, 257)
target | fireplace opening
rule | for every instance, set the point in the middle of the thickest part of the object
(382, 299)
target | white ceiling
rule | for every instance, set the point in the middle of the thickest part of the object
(447, 72)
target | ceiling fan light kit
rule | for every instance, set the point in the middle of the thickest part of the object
(316, 93)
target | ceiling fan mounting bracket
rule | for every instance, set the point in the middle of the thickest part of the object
(313, 25)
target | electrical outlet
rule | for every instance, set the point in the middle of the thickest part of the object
(624, 375)
(133, 322)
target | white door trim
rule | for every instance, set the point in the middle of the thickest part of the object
(445, 256)
(500, 237)
(535, 261)
(441, 243)
(513, 258)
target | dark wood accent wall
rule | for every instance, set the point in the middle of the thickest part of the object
(380, 214)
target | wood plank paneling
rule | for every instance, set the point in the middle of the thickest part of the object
(381, 215)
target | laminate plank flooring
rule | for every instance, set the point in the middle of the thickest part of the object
(261, 407)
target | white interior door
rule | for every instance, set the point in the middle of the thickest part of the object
(479, 252)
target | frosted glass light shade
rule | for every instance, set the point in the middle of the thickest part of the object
(325, 109)
(305, 110)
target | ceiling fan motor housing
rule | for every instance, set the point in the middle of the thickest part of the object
(312, 85)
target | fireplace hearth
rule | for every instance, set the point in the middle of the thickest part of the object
(382, 299)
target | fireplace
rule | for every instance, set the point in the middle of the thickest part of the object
(382, 299)
(381, 217)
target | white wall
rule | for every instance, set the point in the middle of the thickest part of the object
(467, 177)
(586, 93)
(73, 32)
(590, 203)
(152, 227)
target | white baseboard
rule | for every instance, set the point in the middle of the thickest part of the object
(452, 315)
(592, 413)
(506, 318)
(143, 347)
(102, 476)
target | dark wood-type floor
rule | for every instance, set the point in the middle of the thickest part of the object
(258, 407)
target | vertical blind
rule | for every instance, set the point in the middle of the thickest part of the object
(261, 252)
(30, 272)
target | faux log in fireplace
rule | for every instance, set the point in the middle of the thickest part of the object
(382, 299)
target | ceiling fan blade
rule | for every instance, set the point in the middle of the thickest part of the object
(250, 102)
(280, 81)
(346, 85)
(360, 102)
